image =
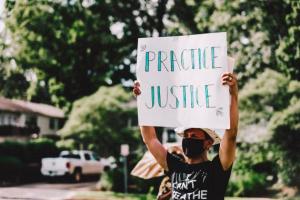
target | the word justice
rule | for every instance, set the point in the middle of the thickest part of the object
(180, 96)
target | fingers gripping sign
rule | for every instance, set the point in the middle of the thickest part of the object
(230, 79)
(136, 88)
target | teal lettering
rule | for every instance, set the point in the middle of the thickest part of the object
(207, 96)
(159, 98)
(213, 57)
(192, 95)
(199, 58)
(182, 59)
(176, 98)
(173, 59)
(193, 58)
(147, 60)
(152, 97)
(204, 57)
(161, 61)
(197, 97)
(184, 95)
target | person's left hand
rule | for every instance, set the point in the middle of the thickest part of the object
(230, 80)
(136, 88)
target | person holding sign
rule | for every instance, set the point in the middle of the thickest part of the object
(198, 177)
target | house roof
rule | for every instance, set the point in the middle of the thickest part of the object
(14, 105)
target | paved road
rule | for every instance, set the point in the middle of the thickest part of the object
(45, 191)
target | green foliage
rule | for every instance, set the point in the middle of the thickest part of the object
(288, 51)
(14, 149)
(72, 48)
(113, 180)
(105, 183)
(285, 127)
(257, 98)
(73, 51)
(255, 30)
(14, 82)
(20, 161)
(66, 144)
(31, 151)
(100, 121)
(11, 168)
(248, 184)
(40, 148)
(254, 163)
(274, 98)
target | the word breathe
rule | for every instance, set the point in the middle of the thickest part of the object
(183, 60)
(198, 194)
(180, 96)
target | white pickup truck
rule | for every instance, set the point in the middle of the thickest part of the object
(73, 163)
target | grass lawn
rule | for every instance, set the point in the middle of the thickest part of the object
(92, 195)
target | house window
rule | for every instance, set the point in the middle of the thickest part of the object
(12, 119)
(1, 119)
(52, 123)
(31, 121)
(9, 119)
(171, 136)
(17, 119)
(61, 123)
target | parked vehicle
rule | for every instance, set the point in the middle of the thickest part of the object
(74, 163)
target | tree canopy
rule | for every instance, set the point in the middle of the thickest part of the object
(73, 47)
(274, 99)
(261, 34)
(103, 121)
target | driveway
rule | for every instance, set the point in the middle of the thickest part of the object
(45, 191)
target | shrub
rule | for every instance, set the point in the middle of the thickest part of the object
(248, 184)
(285, 129)
(255, 164)
(13, 149)
(23, 158)
(10, 168)
(39, 148)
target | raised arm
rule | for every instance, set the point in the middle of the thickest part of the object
(228, 144)
(150, 138)
(154, 145)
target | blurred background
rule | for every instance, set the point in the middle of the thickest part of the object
(67, 69)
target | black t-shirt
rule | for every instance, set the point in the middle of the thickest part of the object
(206, 180)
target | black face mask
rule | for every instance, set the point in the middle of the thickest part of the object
(192, 147)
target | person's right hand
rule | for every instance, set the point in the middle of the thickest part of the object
(136, 88)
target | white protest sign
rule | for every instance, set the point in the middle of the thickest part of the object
(180, 80)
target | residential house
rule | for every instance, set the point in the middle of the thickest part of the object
(22, 119)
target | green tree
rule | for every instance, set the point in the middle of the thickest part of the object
(75, 46)
(274, 99)
(101, 121)
(288, 51)
(12, 80)
(256, 30)
(264, 95)
(285, 128)
(67, 44)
